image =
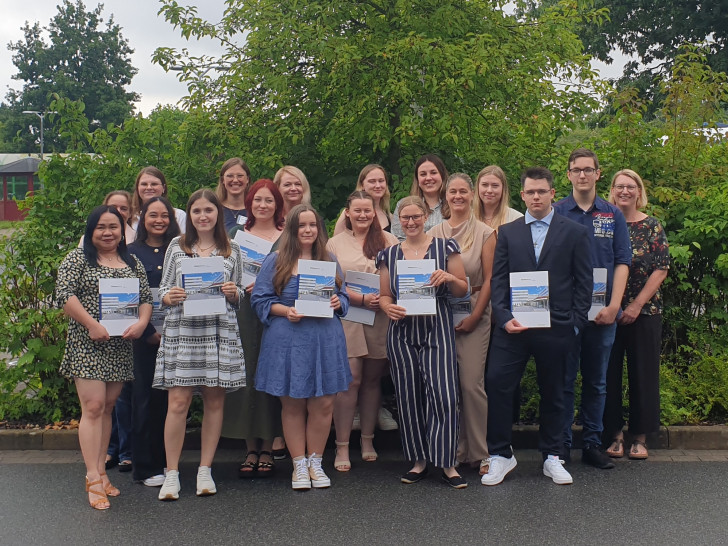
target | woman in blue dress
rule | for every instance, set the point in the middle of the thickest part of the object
(302, 360)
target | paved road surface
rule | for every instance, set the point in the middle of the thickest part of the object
(674, 498)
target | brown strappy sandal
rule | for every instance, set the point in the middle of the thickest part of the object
(634, 454)
(102, 503)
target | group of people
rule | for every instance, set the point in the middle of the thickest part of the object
(269, 374)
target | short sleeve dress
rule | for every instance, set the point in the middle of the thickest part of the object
(304, 359)
(199, 351)
(362, 340)
(110, 360)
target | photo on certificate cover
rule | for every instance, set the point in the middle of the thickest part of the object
(315, 288)
(118, 306)
(525, 299)
(203, 284)
(414, 287)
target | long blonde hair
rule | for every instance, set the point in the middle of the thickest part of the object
(469, 237)
(384, 203)
(221, 190)
(501, 212)
(289, 247)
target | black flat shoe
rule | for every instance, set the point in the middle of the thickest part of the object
(125, 466)
(456, 481)
(280, 454)
(111, 463)
(413, 477)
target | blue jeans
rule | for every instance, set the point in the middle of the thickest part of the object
(591, 355)
(120, 441)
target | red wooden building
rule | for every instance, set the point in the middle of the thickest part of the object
(18, 178)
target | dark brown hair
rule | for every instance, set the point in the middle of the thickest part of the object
(374, 240)
(188, 239)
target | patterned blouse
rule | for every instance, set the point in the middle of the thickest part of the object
(649, 253)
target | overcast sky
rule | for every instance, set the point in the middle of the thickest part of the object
(144, 30)
(140, 25)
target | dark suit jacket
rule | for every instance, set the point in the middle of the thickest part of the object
(566, 255)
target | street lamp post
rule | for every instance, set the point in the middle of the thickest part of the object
(41, 115)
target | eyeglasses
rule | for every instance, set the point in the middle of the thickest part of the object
(236, 176)
(577, 172)
(540, 193)
(407, 218)
(631, 188)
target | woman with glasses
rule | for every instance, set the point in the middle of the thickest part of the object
(639, 329)
(232, 187)
(421, 348)
(150, 182)
(429, 185)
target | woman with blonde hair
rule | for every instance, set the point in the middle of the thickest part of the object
(373, 180)
(428, 183)
(639, 329)
(492, 206)
(421, 348)
(232, 188)
(472, 334)
(294, 187)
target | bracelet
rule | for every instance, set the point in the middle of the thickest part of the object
(362, 300)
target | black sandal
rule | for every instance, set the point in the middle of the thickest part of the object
(249, 469)
(265, 468)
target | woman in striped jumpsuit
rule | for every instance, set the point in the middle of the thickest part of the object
(421, 349)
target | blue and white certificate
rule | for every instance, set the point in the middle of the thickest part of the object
(253, 251)
(118, 304)
(361, 283)
(414, 291)
(316, 284)
(202, 279)
(530, 298)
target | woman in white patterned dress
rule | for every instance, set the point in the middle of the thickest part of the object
(199, 352)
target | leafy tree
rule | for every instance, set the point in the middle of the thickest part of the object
(331, 87)
(653, 32)
(83, 59)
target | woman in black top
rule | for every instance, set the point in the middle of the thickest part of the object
(157, 227)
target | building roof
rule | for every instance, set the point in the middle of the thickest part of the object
(27, 165)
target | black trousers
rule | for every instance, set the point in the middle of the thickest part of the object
(509, 354)
(641, 341)
(149, 411)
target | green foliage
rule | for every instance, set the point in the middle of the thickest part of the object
(332, 88)
(84, 60)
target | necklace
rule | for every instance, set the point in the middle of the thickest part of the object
(109, 258)
(200, 250)
(416, 250)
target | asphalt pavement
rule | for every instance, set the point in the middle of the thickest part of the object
(675, 497)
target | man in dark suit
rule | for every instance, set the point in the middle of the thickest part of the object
(540, 241)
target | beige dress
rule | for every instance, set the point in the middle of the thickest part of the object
(472, 348)
(362, 341)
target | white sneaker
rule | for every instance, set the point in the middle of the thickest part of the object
(499, 467)
(205, 483)
(301, 478)
(553, 467)
(170, 487)
(318, 476)
(356, 423)
(385, 421)
(154, 481)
